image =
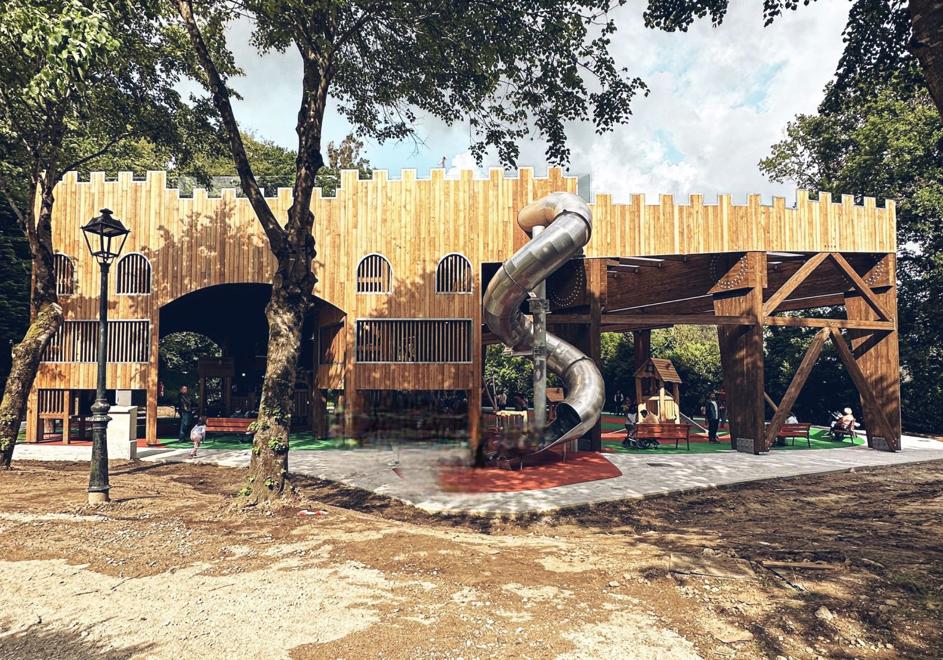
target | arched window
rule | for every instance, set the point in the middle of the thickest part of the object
(64, 270)
(453, 274)
(134, 274)
(374, 275)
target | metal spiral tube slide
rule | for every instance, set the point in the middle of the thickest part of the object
(567, 224)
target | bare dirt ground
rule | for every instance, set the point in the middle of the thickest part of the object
(826, 566)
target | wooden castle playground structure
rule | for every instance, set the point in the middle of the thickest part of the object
(403, 263)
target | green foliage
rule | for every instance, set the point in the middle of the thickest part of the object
(888, 145)
(14, 285)
(694, 351)
(617, 364)
(178, 359)
(272, 164)
(348, 155)
(81, 78)
(508, 373)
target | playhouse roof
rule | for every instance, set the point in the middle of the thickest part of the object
(664, 370)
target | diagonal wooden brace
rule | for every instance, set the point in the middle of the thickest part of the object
(861, 286)
(874, 411)
(793, 282)
(792, 392)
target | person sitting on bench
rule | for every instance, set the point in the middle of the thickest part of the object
(844, 425)
(791, 419)
(631, 425)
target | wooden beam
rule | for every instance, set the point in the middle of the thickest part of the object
(646, 262)
(680, 319)
(797, 278)
(861, 286)
(795, 386)
(874, 411)
(769, 400)
(630, 327)
(803, 322)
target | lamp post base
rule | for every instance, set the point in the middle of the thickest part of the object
(98, 497)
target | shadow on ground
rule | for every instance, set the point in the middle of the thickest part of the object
(36, 641)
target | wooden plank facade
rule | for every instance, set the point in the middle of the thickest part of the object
(437, 237)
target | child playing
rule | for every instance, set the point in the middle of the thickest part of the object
(197, 435)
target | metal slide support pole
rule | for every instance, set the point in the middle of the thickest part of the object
(538, 308)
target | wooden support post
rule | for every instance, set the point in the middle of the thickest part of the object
(587, 336)
(34, 426)
(596, 290)
(662, 417)
(319, 421)
(353, 405)
(202, 395)
(153, 381)
(474, 418)
(795, 386)
(474, 393)
(642, 342)
(877, 354)
(66, 416)
(739, 292)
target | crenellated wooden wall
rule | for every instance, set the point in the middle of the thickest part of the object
(198, 242)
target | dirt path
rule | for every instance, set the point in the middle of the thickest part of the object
(832, 566)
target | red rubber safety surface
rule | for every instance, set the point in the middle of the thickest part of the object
(579, 468)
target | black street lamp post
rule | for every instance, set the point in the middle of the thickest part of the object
(105, 237)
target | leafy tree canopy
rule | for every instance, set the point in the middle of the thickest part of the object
(81, 77)
(888, 144)
(510, 68)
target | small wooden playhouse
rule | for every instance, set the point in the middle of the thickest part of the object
(652, 382)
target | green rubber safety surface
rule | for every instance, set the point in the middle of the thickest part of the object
(820, 440)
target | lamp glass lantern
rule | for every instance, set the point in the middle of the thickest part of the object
(105, 236)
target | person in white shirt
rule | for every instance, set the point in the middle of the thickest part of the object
(197, 435)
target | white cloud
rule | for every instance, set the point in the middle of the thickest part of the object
(463, 161)
(719, 99)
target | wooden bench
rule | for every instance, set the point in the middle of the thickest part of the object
(795, 431)
(659, 432)
(228, 424)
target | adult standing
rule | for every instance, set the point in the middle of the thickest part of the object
(619, 401)
(712, 413)
(185, 406)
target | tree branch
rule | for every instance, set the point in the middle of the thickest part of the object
(101, 152)
(221, 99)
(13, 205)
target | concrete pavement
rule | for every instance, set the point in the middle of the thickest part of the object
(409, 473)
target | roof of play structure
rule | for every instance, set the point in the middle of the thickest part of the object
(663, 370)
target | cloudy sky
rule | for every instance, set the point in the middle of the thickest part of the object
(719, 98)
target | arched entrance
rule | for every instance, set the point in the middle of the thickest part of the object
(227, 381)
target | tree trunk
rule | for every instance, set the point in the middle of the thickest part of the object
(26, 359)
(926, 44)
(285, 312)
(46, 317)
